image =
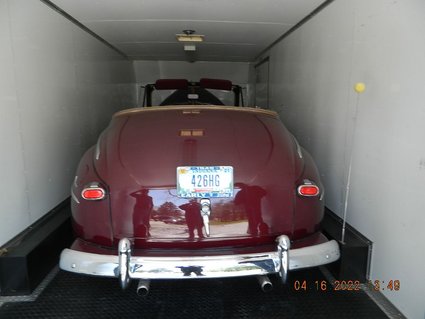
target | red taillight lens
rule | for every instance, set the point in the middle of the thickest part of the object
(308, 190)
(93, 193)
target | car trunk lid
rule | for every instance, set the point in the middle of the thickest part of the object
(139, 164)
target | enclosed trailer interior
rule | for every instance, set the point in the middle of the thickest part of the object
(345, 76)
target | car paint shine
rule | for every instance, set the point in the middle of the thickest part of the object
(136, 160)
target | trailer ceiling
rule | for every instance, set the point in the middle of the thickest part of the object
(235, 30)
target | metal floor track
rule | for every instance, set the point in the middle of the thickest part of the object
(73, 296)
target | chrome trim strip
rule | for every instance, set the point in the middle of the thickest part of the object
(299, 149)
(97, 149)
(198, 267)
(322, 195)
(74, 197)
(183, 108)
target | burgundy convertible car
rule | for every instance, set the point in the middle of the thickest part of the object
(196, 189)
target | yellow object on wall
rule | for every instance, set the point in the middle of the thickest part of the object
(359, 87)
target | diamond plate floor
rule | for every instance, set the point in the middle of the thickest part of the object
(73, 296)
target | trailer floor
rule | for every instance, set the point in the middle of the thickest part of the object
(73, 296)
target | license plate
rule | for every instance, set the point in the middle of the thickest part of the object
(204, 181)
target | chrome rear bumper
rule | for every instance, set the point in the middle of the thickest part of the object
(126, 267)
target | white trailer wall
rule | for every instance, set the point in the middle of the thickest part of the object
(312, 73)
(58, 89)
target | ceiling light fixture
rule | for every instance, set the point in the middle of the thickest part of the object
(189, 36)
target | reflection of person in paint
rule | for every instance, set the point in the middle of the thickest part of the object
(193, 217)
(142, 212)
(250, 198)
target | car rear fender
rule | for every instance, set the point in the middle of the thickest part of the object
(91, 218)
(308, 210)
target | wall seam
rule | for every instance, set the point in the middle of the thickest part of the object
(294, 28)
(67, 16)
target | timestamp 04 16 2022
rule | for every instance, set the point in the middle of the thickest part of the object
(347, 285)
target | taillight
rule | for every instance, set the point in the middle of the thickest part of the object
(93, 192)
(308, 189)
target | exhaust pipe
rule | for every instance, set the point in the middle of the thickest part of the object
(265, 283)
(143, 287)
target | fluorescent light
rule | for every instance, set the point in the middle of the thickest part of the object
(190, 37)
